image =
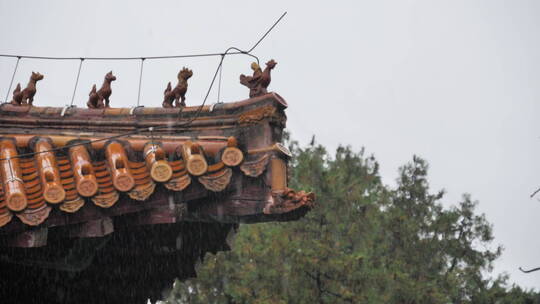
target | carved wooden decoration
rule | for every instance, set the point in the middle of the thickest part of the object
(106, 200)
(142, 192)
(72, 206)
(260, 80)
(83, 171)
(118, 163)
(256, 115)
(34, 217)
(14, 189)
(180, 178)
(216, 181)
(256, 167)
(53, 191)
(156, 162)
(181, 88)
(232, 156)
(178, 183)
(194, 157)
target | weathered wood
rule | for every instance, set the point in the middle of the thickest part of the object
(95, 228)
(169, 214)
(108, 269)
(27, 239)
(278, 169)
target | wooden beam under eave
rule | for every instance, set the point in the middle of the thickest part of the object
(27, 239)
(96, 228)
(171, 214)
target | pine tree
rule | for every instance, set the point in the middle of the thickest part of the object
(365, 242)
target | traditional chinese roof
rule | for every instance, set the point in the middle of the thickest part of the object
(107, 196)
(71, 166)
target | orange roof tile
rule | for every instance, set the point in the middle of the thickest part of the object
(57, 161)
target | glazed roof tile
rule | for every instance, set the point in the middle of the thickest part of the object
(82, 158)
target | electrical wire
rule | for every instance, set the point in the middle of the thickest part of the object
(140, 81)
(76, 82)
(219, 83)
(118, 58)
(267, 32)
(229, 51)
(12, 78)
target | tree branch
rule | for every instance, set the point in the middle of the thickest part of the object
(530, 270)
(322, 290)
(534, 193)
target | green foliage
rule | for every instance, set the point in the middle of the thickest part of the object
(364, 243)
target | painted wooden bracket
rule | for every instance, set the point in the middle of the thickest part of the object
(278, 168)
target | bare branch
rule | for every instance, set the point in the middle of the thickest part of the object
(530, 270)
(534, 193)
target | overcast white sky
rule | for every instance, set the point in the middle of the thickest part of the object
(456, 82)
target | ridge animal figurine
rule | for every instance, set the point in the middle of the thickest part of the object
(96, 98)
(168, 97)
(105, 91)
(26, 96)
(93, 100)
(17, 96)
(260, 80)
(181, 88)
